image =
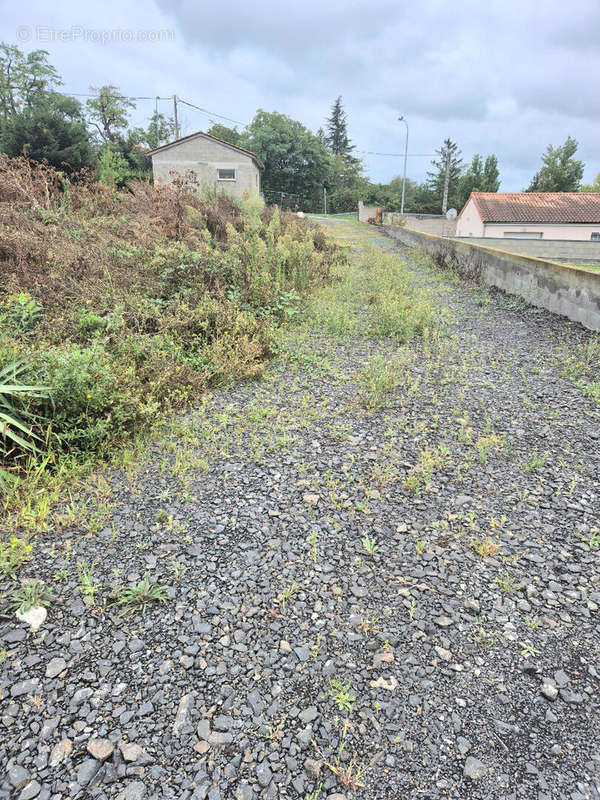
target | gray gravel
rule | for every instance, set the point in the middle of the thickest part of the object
(467, 676)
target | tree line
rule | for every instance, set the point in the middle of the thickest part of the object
(39, 121)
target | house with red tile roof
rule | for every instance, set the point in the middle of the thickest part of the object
(572, 216)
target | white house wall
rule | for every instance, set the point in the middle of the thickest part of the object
(469, 223)
(563, 232)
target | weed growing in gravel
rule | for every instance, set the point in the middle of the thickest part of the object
(340, 691)
(86, 586)
(506, 584)
(313, 540)
(485, 444)
(316, 648)
(314, 795)
(13, 554)
(420, 475)
(532, 622)
(412, 607)
(347, 770)
(484, 546)
(483, 637)
(139, 597)
(592, 541)
(61, 575)
(370, 546)
(178, 569)
(369, 625)
(31, 593)
(377, 381)
(420, 546)
(536, 461)
(288, 594)
(528, 650)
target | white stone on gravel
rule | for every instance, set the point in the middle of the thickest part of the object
(34, 617)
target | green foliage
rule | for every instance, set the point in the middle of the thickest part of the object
(560, 171)
(108, 112)
(149, 297)
(592, 187)
(479, 176)
(96, 398)
(17, 436)
(448, 153)
(113, 168)
(30, 594)
(24, 79)
(52, 130)
(23, 311)
(13, 554)
(296, 161)
(337, 131)
(140, 597)
(231, 135)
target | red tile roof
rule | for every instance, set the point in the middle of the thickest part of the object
(538, 207)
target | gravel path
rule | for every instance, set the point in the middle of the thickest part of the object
(389, 602)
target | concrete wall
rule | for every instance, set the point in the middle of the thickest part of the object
(205, 157)
(572, 292)
(365, 213)
(569, 252)
(439, 226)
(565, 232)
(469, 222)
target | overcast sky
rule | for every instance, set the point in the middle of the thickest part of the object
(505, 76)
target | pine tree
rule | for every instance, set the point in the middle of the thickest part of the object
(448, 153)
(337, 131)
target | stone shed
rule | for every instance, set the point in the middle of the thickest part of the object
(217, 164)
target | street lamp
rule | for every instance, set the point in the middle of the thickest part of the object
(401, 119)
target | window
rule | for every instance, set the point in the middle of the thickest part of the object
(596, 236)
(523, 234)
(226, 174)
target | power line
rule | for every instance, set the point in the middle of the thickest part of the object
(211, 113)
(401, 155)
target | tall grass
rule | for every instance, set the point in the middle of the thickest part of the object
(127, 304)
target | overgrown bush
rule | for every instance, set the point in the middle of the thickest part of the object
(125, 303)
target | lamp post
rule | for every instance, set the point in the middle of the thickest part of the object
(401, 119)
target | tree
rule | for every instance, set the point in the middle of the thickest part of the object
(560, 172)
(491, 174)
(161, 129)
(337, 131)
(449, 155)
(478, 177)
(53, 130)
(231, 135)
(108, 112)
(24, 79)
(295, 160)
(592, 187)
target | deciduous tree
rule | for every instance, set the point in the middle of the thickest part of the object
(560, 172)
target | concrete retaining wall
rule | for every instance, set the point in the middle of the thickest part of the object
(439, 226)
(569, 252)
(573, 292)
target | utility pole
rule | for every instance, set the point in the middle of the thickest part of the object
(401, 119)
(446, 184)
(175, 116)
(325, 200)
(156, 120)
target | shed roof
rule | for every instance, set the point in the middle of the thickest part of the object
(538, 207)
(201, 134)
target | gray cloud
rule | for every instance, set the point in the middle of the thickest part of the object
(509, 76)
